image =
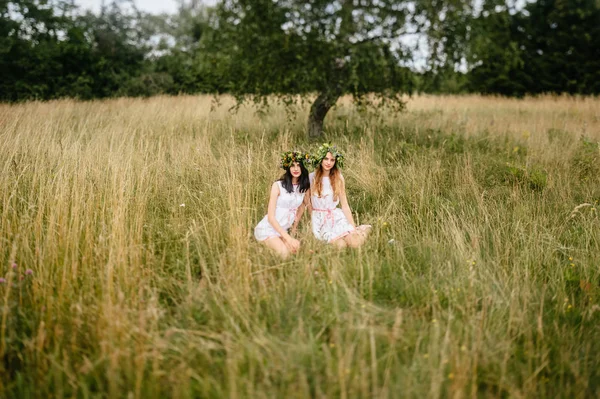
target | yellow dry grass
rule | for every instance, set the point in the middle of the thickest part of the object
(135, 218)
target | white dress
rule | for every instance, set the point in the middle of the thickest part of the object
(328, 221)
(285, 213)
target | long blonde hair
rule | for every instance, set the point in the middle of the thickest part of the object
(335, 177)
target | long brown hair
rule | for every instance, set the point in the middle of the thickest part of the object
(335, 177)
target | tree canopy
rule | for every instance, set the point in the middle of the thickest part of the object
(548, 46)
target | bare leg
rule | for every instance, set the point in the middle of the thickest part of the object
(277, 245)
(354, 240)
(358, 236)
(339, 243)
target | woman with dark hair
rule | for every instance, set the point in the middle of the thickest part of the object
(287, 201)
(328, 189)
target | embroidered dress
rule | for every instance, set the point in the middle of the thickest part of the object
(285, 213)
(328, 221)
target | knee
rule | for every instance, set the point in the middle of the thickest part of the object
(284, 253)
(355, 240)
(339, 243)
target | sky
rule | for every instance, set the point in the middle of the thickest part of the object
(151, 6)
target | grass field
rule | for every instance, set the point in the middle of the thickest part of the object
(130, 269)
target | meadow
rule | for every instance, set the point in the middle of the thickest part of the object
(129, 268)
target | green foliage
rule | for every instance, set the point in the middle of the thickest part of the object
(146, 85)
(498, 173)
(585, 162)
(548, 46)
(254, 49)
(51, 52)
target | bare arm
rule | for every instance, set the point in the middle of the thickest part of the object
(300, 211)
(344, 203)
(271, 212)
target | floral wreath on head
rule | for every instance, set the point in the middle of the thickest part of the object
(322, 151)
(287, 158)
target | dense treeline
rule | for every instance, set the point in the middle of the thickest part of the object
(548, 46)
(52, 49)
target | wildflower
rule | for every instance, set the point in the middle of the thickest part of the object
(332, 345)
(14, 266)
(29, 272)
(451, 376)
(463, 348)
(392, 242)
(426, 356)
(182, 205)
(385, 224)
(2, 280)
(570, 258)
(434, 321)
(330, 281)
(572, 264)
(585, 285)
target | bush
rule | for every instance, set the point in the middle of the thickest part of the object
(147, 85)
(585, 162)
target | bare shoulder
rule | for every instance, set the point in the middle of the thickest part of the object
(275, 187)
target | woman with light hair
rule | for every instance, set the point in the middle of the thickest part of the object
(328, 190)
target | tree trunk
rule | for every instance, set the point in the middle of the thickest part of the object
(318, 110)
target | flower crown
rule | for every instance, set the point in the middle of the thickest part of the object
(287, 158)
(322, 151)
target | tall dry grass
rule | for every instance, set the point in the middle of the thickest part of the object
(135, 217)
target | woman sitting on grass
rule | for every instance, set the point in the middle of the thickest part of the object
(328, 189)
(286, 205)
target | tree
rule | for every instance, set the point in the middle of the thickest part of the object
(495, 55)
(561, 45)
(547, 46)
(30, 47)
(48, 50)
(185, 40)
(331, 47)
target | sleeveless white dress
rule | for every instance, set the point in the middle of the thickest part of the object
(285, 213)
(328, 221)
